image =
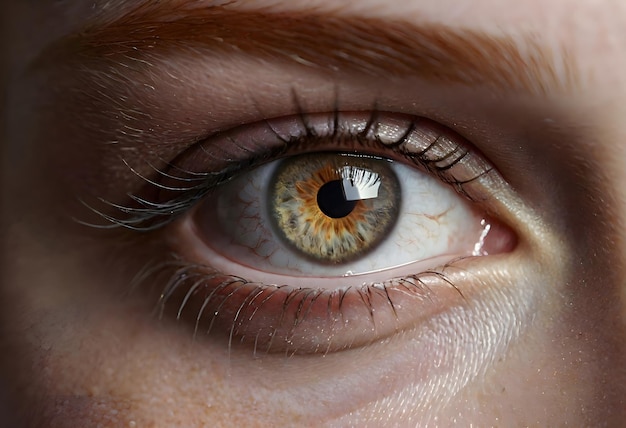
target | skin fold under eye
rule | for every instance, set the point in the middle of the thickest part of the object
(241, 274)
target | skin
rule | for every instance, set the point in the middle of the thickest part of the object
(538, 339)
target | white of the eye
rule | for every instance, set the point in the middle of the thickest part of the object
(434, 221)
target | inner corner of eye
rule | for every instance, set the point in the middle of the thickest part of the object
(333, 214)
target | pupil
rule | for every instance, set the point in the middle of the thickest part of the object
(332, 202)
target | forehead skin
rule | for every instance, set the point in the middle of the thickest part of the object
(590, 33)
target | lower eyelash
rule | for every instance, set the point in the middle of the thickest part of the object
(185, 282)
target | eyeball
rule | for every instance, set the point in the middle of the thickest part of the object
(336, 214)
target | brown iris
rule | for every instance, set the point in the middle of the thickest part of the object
(334, 207)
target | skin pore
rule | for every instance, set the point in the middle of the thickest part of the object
(104, 99)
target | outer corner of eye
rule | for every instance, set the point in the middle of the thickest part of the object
(299, 253)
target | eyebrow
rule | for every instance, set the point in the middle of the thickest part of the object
(336, 43)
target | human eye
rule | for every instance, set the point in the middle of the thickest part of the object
(319, 232)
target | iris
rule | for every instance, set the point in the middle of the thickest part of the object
(333, 207)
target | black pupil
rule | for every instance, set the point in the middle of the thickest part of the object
(332, 202)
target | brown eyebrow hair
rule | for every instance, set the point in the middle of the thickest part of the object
(338, 44)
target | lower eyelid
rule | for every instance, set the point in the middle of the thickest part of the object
(269, 319)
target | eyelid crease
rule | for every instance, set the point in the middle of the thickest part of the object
(336, 44)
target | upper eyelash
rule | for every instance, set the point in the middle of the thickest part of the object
(148, 210)
(147, 215)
